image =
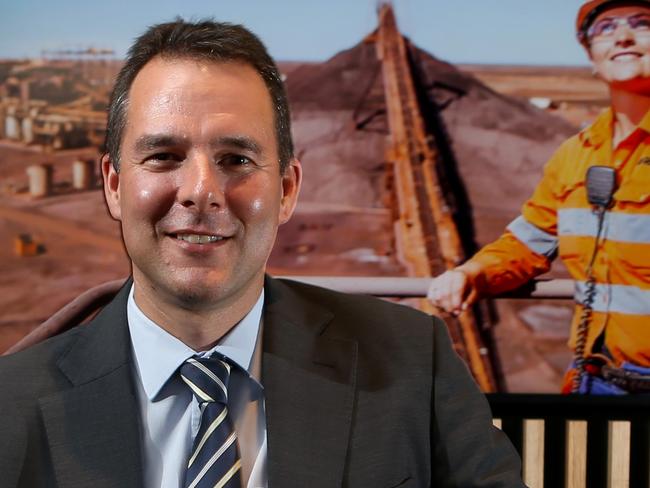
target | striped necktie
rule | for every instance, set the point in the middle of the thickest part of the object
(214, 461)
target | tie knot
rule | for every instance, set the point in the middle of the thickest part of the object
(207, 378)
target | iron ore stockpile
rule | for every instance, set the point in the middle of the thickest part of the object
(409, 162)
(409, 165)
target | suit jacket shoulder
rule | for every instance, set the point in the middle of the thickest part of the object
(68, 414)
(366, 319)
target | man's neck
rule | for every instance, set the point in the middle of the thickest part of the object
(629, 109)
(200, 328)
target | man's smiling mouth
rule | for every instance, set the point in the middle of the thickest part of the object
(198, 238)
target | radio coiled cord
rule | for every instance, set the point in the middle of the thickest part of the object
(587, 308)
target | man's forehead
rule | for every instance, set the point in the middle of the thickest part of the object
(189, 86)
(175, 69)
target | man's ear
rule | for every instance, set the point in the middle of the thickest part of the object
(291, 181)
(111, 187)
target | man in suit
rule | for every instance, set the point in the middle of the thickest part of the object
(203, 371)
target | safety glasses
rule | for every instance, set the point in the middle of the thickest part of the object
(605, 28)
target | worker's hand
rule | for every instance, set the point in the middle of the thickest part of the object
(452, 291)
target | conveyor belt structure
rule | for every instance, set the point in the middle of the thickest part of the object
(427, 237)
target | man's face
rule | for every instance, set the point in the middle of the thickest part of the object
(621, 56)
(199, 193)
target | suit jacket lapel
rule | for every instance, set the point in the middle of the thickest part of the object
(94, 428)
(309, 381)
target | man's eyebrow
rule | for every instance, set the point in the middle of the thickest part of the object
(150, 142)
(244, 143)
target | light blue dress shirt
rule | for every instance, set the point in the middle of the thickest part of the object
(170, 412)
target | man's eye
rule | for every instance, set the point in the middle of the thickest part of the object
(162, 157)
(235, 160)
(162, 160)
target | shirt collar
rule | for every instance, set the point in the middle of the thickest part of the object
(600, 131)
(158, 354)
(603, 128)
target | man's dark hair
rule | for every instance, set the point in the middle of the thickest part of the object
(203, 40)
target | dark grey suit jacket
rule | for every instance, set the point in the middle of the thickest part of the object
(359, 393)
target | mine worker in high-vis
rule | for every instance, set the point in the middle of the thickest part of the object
(592, 207)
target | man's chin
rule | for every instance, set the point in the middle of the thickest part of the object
(197, 296)
(195, 289)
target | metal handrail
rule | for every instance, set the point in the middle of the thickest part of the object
(399, 287)
(91, 300)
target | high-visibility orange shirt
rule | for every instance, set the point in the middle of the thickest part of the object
(558, 219)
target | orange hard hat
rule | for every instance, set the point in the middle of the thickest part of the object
(590, 10)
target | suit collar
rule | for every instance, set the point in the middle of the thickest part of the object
(309, 375)
(93, 428)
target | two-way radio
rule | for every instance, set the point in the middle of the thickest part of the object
(601, 184)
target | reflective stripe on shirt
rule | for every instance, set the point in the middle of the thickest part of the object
(533, 237)
(626, 299)
(634, 228)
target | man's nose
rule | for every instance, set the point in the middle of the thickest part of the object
(201, 185)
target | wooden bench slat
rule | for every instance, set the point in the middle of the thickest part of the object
(618, 465)
(533, 455)
(576, 462)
